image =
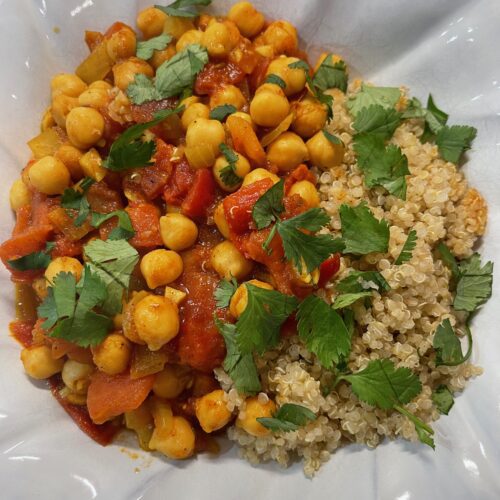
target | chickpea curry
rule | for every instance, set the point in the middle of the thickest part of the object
(167, 223)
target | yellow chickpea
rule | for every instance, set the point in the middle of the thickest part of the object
(124, 72)
(100, 84)
(84, 126)
(39, 363)
(94, 98)
(151, 22)
(287, 151)
(160, 56)
(217, 39)
(156, 320)
(193, 112)
(161, 267)
(258, 174)
(171, 381)
(212, 412)
(49, 175)
(220, 220)
(282, 36)
(247, 18)
(63, 265)
(307, 191)
(177, 442)
(61, 106)
(228, 94)
(122, 44)
(19, 195)
(113, 354)
(91, 165)
(242, 168)
(228, 261)
(67, 84)
(178, 232)
(76, 376)
(323, 153)
(239, 300)
(188, 38)
(310, 117)
(71, 156)
(269, 107)
(295, 78)
(203, 131)
(176, 26)
(247, 419)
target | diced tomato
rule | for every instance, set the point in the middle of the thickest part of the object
(145, 218)
(153, 179)
(142, 113)
(66, 247)
(239, 205)
(22, 332)
(179, 183)
(111, 395)
(103, 199)
(102, 434)
(41, 206)
(259, 73)
(245, 141)
(301, 173)
(214, 75)
(328, 269)
(245, 56)
(112, 128)
(201, 194)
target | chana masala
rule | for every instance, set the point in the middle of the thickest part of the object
(215, 233)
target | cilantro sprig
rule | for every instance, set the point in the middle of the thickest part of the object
(358, 285)
(224, 292)
(442, 398)
(228, 174)
(331, 74)
(387, 97)
(408, 247)
(276, 80)
(124, 231)
(183, 8)
(289, 417)
(34, 260)
(222, 112)
(75, 199)
(447, 345)
(146, 48)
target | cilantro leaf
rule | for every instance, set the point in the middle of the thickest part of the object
(47, 309)
(332, 138)
(424, 431)
(128, 151)
(228, 173)
(240, 367)
(34, 260)
(408, 247)
(76, 199)
(360, 281)
(276, 80)
(269, 206)
(361, 231)
(142, 90)
(289, 417)
(113, 262)
(224, 292)
(183, 8)
(455, 140)
(323, 331)
(222, 112)
(448, 258)
(474, 284)
(124, 231)
(414, 109)
(435, 118)
(386, 97)
(442, 398)
(448, 347)
(377, 120)
(331, 74)
(258, 327)
(347, 299)
(146, 48)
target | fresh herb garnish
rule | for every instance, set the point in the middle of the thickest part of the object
(332, 138)
(183, 8)
(146, 48)
(359, 281)
(448, 258)
(289, 417)
(408, 247)
(269, 206)
(34, 260)
(455, 140)
(361, 231)
(377, 120)
(228, 174)
(435, 118)
(276, 80)
(76, 199)
(448, 347)
(346, 299)
(129, 151)
(442, 398)
(222, 112)
(124, 231)
(387, 97)
(224, 292)
(331, 74)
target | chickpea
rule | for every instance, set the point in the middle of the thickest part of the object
(91, 165)
(49, 175)
(122, 44)
(258, 174)
(171, 381)
(176, 443)
(228, 262)
(323, 153)
(39, 363)
(71, 156)
(310, 117)
(217, 39)
(188, 38)
(193, 112)
(160, 56)
(176, 296)
(269, 107)
(228, 94)
(203, 131)
(247, 18)
(295, 78)
(67, 84)
(239, 300)
(113, 354)
(176, 26)
(19, 195)
(287, 151)
(94, 98)
(76, 376)
(100, 84)
(124, 72)
(156, 320)
(61, 106)
(307, 191)
(151, 21)
(242, 168)
(220, 220)
(63, 265)
(178, 232)
(161, 267)
(247, 419)
(84, 126)
(212, 412)
(282, 36)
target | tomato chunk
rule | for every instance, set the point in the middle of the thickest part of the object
(155, 177)
(21, 331)
(328, 269)
(179, 183)
(201, 194)
(111, 395)
(214, 75)
(301, 173)
(145, 219)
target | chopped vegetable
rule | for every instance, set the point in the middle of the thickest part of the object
(289, 417)
(124, 231)
(76, 199)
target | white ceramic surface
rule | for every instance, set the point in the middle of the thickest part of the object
(450, 47)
